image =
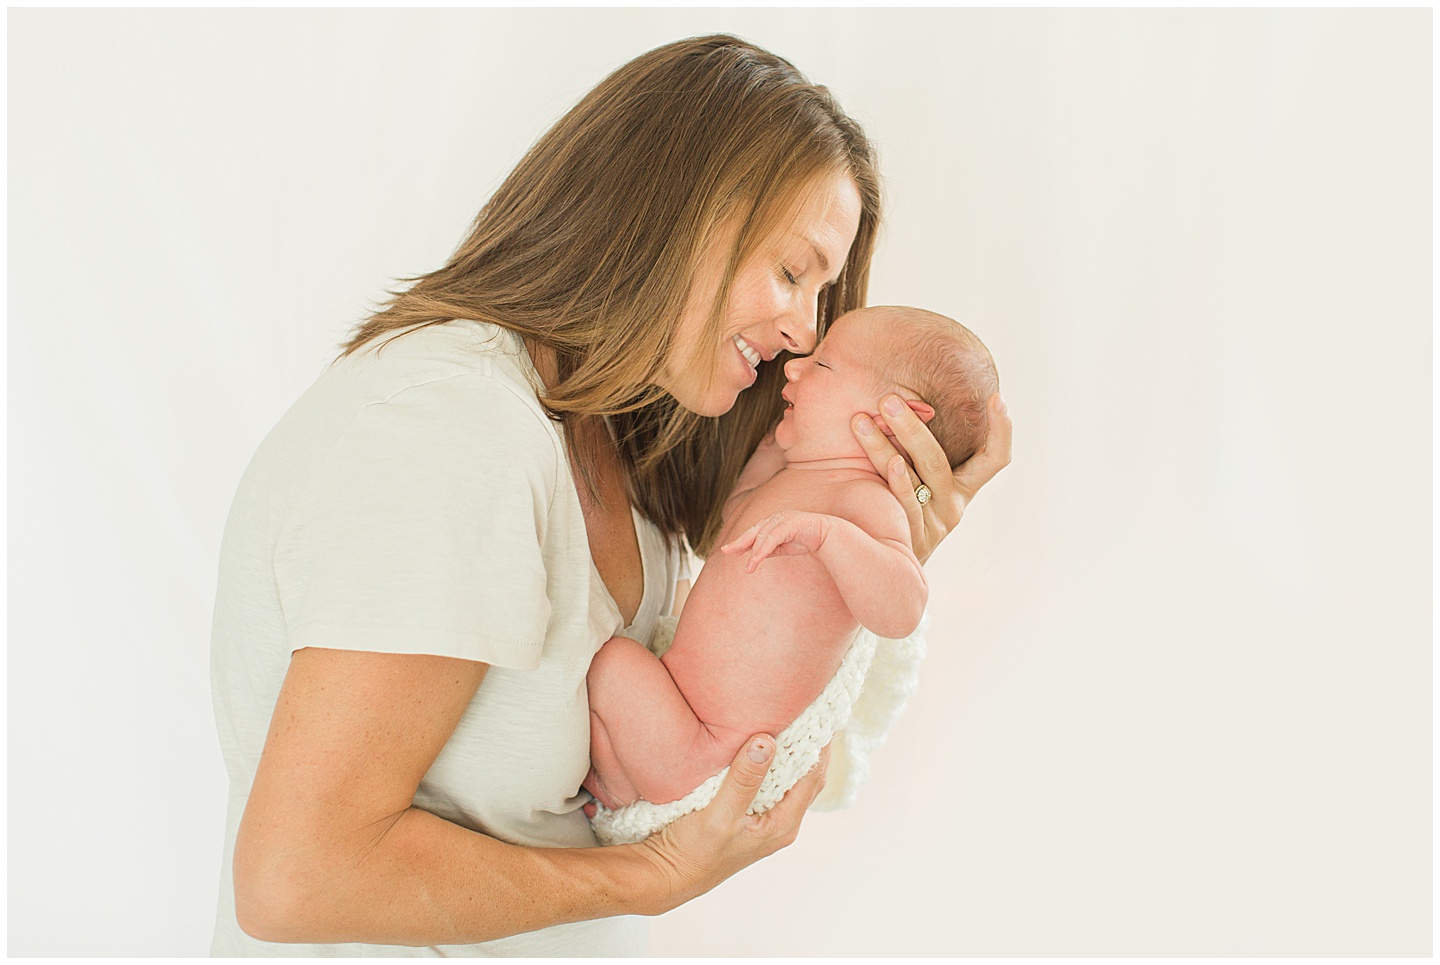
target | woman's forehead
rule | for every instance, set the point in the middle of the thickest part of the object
(824, 215)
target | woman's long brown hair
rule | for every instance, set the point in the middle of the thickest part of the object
(590, 246)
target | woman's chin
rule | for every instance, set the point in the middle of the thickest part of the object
(722, 402)
(716, 401)
(711, 407)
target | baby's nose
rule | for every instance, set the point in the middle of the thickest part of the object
(792, 369)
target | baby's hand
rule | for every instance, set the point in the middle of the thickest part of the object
(786, 533)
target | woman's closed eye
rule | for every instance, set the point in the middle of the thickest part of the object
(789, 276)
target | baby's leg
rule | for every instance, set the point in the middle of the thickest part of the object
(645, 741)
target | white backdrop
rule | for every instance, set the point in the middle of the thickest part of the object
(1178, 696)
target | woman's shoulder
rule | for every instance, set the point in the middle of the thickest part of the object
(452, 367)
(437, 352)
(454, 391)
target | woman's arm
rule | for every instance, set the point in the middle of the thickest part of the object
(331, 850)
(950, 492)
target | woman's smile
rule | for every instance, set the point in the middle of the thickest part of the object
(748, 351)
(749, 358)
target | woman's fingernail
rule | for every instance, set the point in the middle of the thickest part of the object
(893, 405)
(759, 752)
(864, 425)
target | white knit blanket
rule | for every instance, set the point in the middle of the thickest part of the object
(867, 693)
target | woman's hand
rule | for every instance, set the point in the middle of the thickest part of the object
(704, 848)
(950, 492)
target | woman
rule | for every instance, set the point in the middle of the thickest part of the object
(492, 480)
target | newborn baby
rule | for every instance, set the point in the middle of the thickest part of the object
(756, 646)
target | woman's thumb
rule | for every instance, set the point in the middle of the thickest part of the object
(746, 772)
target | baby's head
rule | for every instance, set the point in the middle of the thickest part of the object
(946, 365)
(933, 362)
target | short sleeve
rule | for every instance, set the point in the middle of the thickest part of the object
(422, 530)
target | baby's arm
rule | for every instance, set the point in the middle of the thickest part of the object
(877, 575)
(767, 459)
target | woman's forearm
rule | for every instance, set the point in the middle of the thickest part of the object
(421, 880)
(330, 848)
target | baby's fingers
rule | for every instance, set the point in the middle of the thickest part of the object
(771, 534)
(742, 542)
(764, 547)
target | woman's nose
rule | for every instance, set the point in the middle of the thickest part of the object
(798, 328)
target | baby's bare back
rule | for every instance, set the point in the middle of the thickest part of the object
(755, 649)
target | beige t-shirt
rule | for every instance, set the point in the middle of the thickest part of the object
(417, 500)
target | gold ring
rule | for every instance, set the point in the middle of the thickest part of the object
(922, 494)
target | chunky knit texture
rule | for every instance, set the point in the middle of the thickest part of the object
(874, 681)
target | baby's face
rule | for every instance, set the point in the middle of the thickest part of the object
(825, 390)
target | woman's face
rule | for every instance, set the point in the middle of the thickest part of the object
(772, 302)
